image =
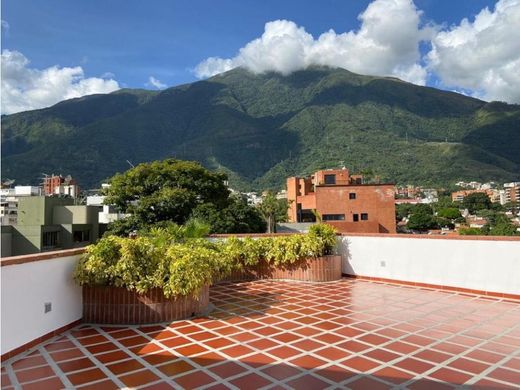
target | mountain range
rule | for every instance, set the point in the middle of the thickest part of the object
(262, 128)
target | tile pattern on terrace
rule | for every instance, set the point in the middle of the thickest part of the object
(347, 334)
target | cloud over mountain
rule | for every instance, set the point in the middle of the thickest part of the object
(155, 83)
(25, 88)
(378, 47)
(481, 57)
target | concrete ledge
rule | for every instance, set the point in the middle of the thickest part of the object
(14, 260)
(433, 236)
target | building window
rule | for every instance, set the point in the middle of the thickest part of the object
(330, 179)
(333, 217)
(50, 239)
(352, 195)
(355, 217)
(364, 216)
(81, 236)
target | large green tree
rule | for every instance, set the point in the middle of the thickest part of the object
(422, 218)
(237, 217)
(422, 222)
(476, 201)
(273, 210)
(449, 213)
(504, 229)
(403, 211)
(167, 190)
(498, 224)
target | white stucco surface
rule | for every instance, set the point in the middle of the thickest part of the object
(25, 290)
(474, 264)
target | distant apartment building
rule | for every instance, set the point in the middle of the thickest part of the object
(106, 213)
(49, 223)
(475, 185)
(281, 195)
(416, 194)
(493, 194)
(408, 191)
(511, 192)
(342, 200)
(59, 185)
(9, 198)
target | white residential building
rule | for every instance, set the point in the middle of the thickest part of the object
(9, 202)
(107, 213)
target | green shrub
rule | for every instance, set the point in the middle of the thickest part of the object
(189, 269)
(327, 234)
(470, 231)
(164, 258)
(281, 250)
(243, 253)
(285, 250)
(170, 231)
(96, 265)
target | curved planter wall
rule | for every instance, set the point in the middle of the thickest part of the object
(320, 269)
(117, 305)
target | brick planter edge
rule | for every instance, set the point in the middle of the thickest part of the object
(320, 269)
(117, 305)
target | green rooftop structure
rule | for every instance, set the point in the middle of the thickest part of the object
(51, 223)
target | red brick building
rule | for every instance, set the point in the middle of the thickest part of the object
(59, 185)
(343, 201)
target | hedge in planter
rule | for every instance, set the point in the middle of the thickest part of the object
(158, 265)
(300, 256)
(146, 279)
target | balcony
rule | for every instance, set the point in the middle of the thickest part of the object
(423, 312)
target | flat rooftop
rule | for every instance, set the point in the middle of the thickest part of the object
(267, 334)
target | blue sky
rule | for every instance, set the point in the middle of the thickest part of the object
(131, 41)
(136, 39)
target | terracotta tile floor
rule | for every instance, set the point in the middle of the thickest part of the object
(347, 334)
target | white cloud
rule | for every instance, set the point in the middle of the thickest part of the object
(25, 88)
(108, 75)
(154, 83)
(387, 43)
(483, 55)
(5, 25)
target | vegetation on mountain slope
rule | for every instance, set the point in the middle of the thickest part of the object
(259, 129)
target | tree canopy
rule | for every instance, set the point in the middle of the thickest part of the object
(273, 210)
(175, 191)
(403, 211)
(237, 217)
(422, 218)
(476, 201)
(449, 213)
(152, 185)
(422, 221)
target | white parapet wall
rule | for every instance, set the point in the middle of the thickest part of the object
(28, 283)
(485, 264)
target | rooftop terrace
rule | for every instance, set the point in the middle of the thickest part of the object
(423, 313)
(265, 334)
